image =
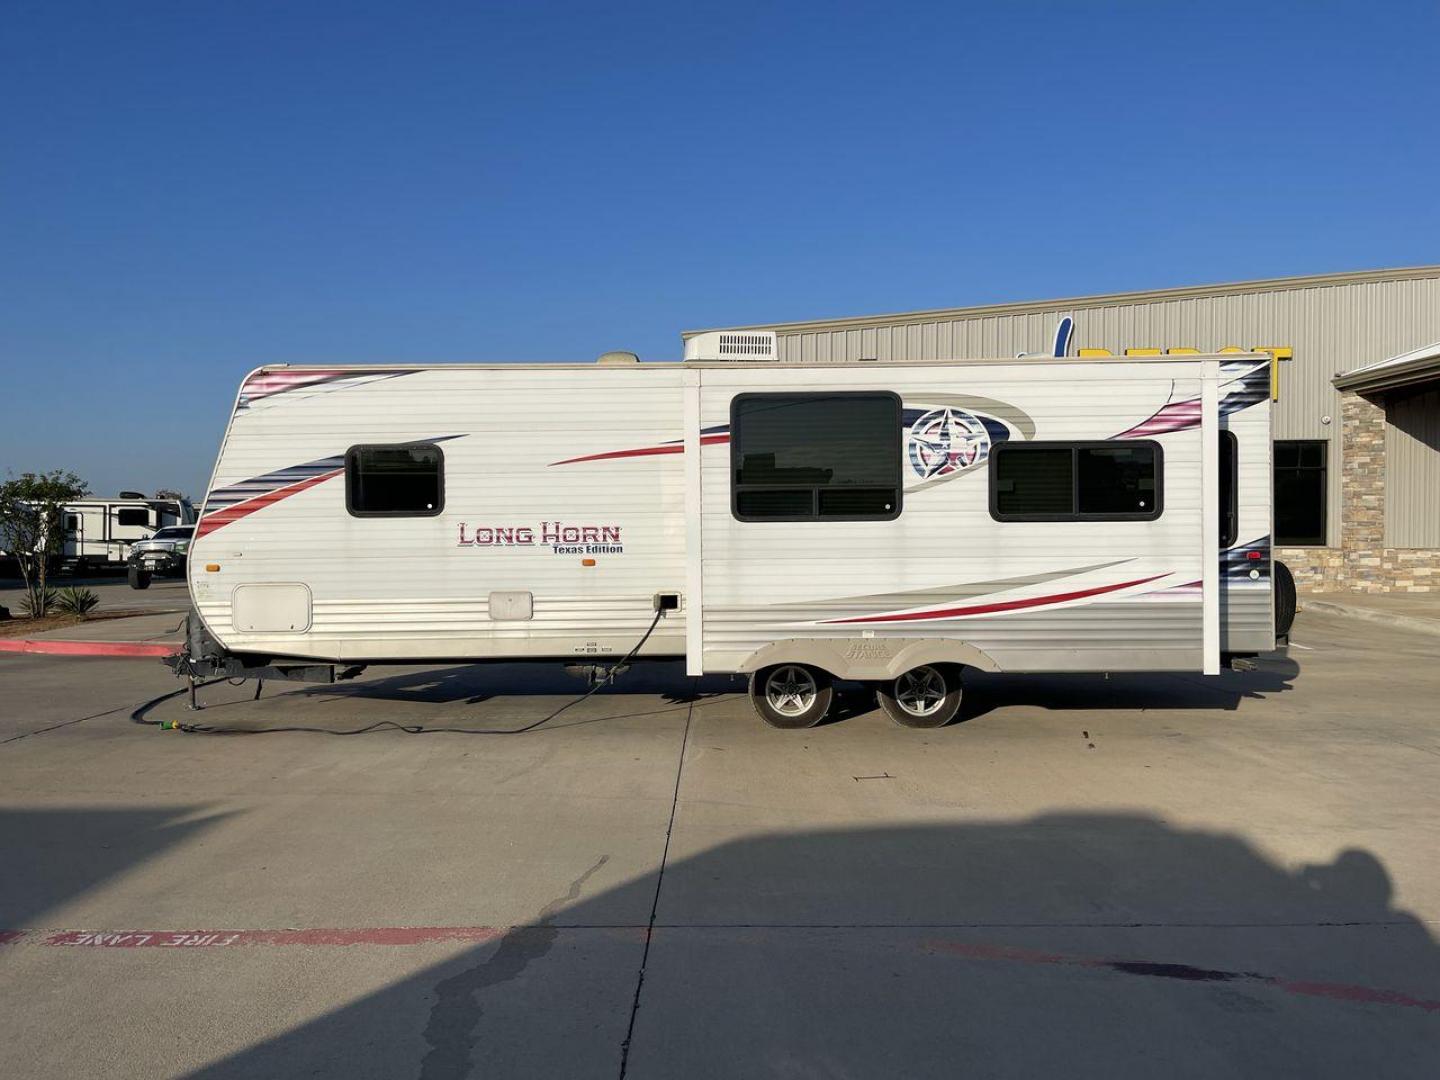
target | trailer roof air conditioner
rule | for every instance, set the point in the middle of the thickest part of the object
(749, 345)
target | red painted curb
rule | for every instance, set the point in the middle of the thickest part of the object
(88, 648)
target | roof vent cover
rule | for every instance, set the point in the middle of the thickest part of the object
(617, 358)
(747, 345)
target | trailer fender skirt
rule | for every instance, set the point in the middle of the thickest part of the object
(867, 658)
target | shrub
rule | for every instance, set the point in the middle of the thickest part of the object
(76, 601)
(37, 603)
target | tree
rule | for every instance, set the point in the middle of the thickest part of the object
(171, 493)
(30, 523)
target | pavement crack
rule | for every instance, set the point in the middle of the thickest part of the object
(655, 901)
(62, 724)
(450, 1029)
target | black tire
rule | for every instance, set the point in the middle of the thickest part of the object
(1284, 584)
(791, 696)
(927, 696)
(139, 579)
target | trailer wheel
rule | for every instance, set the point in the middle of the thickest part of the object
(139, 579)
(927, 696)
(1284, 584)
(791, 695)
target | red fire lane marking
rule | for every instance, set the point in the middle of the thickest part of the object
(1186, 973)
(211, 939)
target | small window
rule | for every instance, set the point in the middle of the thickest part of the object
(1300, 489)
(405, 480)
(815, 457)
(1102, 481)
(1229, 489)
(1037, 482)
(132, 515)
(72, 522)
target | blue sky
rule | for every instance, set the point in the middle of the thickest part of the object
(189, 189)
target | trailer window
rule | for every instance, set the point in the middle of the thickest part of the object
(815, 457)
(1101, 481)
(1036, 481)
(1229, 489)
(132, 515)
(405, 480)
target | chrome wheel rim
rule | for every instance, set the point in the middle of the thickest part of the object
(921, 691)
(791, 690)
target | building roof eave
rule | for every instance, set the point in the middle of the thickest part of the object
(1407, 369)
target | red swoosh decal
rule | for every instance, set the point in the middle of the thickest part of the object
(999, 605)
(644, 451)
(210, 522)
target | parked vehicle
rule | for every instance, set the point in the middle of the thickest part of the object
(164, 553)
(893, 523)
(99, 532)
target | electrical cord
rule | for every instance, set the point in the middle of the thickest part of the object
(140, 713)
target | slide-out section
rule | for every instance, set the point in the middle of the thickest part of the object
(1056, 517)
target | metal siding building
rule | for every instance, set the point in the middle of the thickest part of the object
(1412, 482)
(1332, 323)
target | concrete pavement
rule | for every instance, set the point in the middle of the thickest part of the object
(1413, 612)
(1097, 877)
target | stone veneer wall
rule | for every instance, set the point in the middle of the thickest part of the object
(1363, 563)
(1315, 569)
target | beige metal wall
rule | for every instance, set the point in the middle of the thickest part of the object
(1412, 470)
(1333, 324)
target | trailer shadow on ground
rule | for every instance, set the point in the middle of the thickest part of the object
(474, 683)
(985, 693)
(509, 696)
(1075, 943)
(1274, 673)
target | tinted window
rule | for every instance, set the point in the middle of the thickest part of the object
(1075, 481)
(1229, 489)
(799, 457)
(1116, 481)
(395, 480)
(1033, 481)
(1300, 490)
(132, 516)
(173, 533)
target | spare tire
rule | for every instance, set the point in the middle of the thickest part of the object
(1284, 585)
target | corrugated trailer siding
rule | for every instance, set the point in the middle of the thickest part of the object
(406, 586)
(1332, 328)
(767, 581)
(1412, 463)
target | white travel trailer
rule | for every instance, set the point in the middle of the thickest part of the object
(99, 532)
(890, 523)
